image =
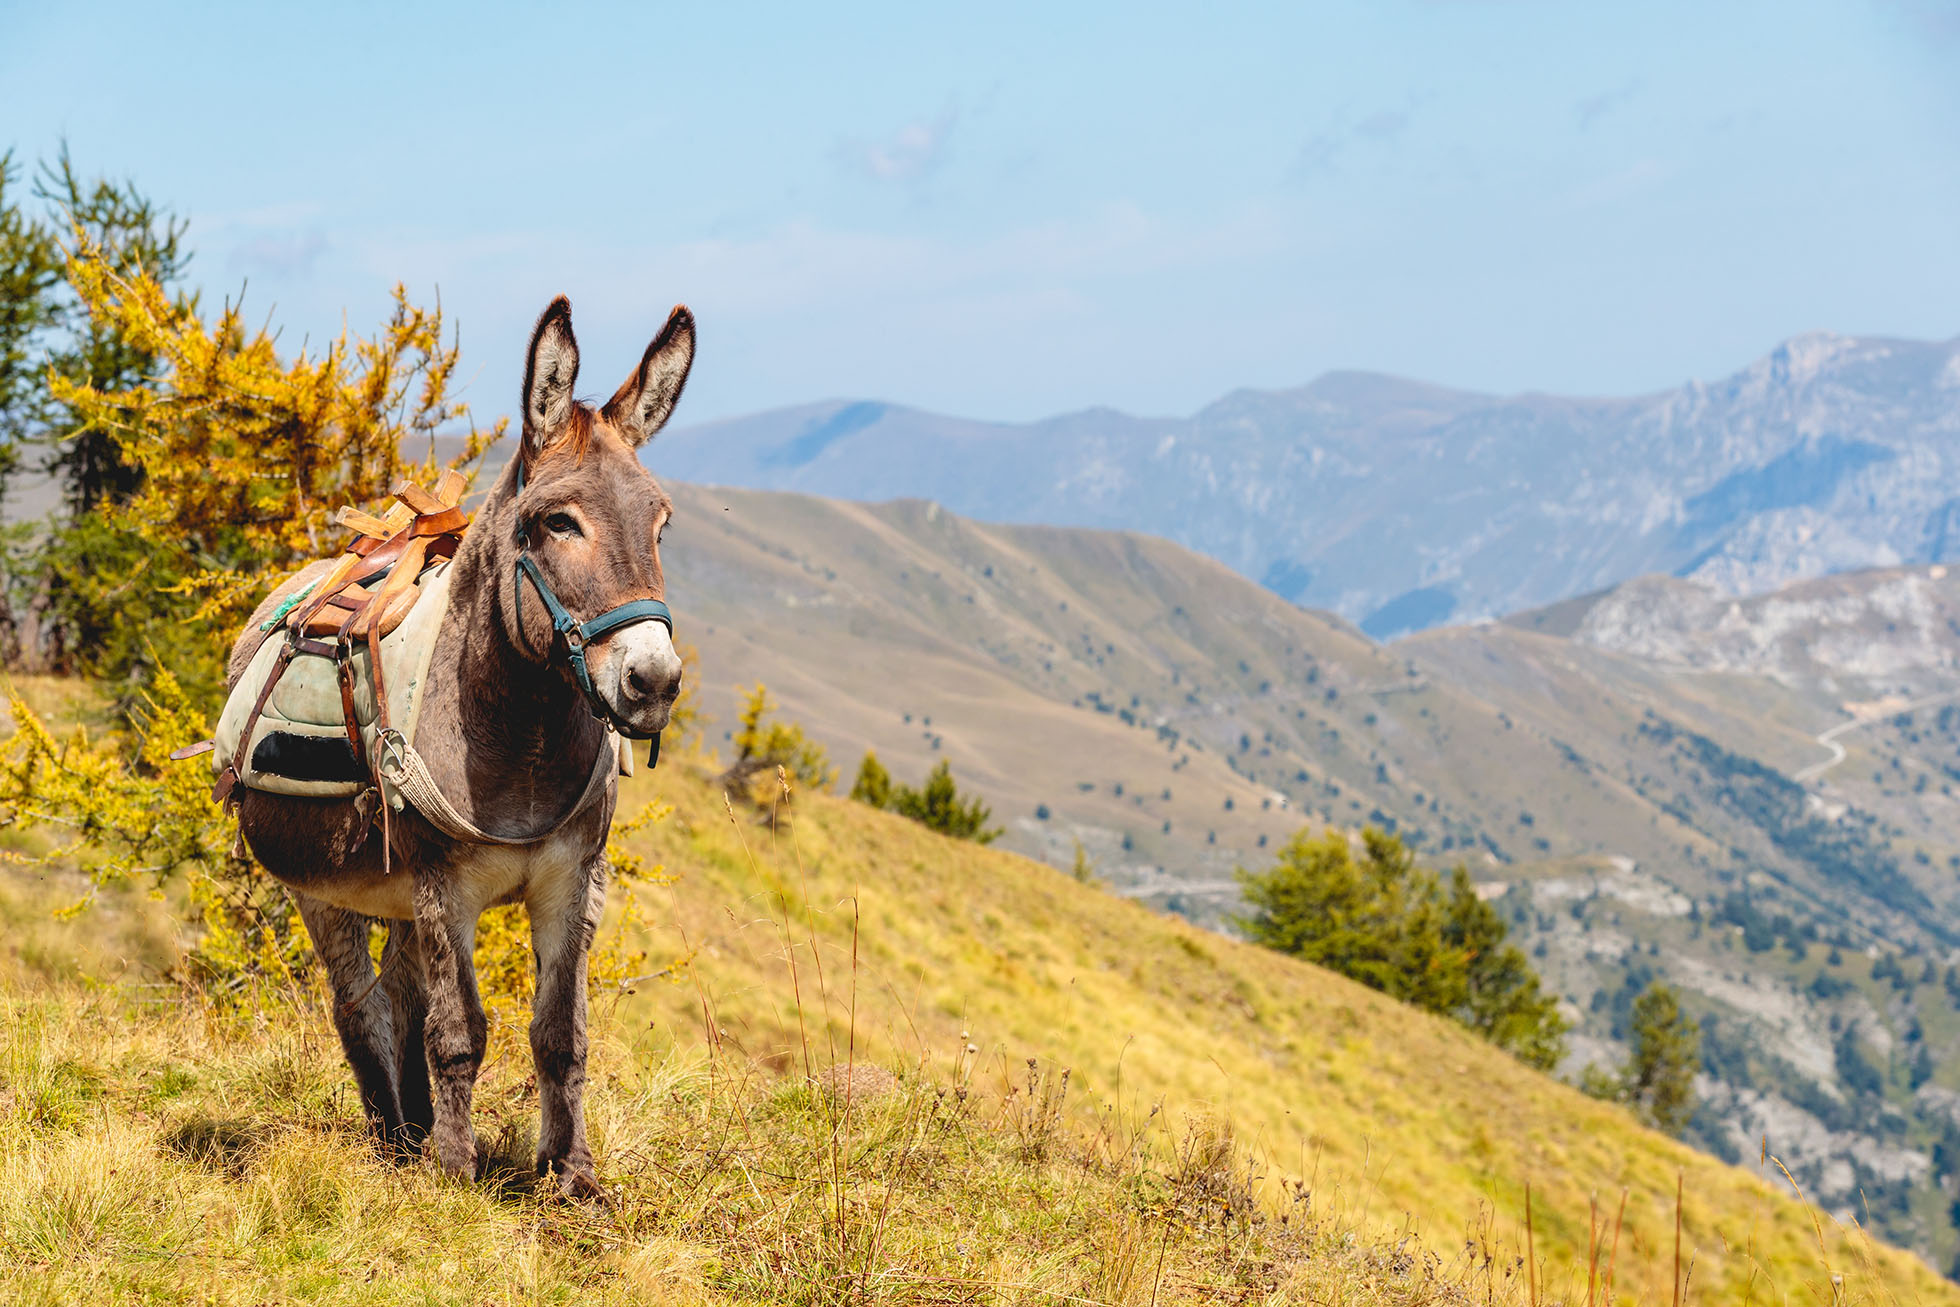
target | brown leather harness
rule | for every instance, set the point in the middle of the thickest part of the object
(424, 529)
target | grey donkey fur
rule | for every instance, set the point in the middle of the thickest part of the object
(511, 744)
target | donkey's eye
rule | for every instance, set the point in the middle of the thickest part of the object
(562, 524)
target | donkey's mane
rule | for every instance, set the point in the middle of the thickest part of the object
(580, 426)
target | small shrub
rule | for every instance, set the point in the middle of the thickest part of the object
(874, 785)
(936, 805)
(763, 744)
(1083, 870)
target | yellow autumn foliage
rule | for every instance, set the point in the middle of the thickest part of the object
(244, 455)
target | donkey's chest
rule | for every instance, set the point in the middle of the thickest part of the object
(484, 875)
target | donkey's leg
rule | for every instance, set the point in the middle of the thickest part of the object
(565, 913)
(361, 1013)
(401, 978)
(454, 1031)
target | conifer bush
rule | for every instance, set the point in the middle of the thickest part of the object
(936, 805)
(1391, 925)
(1659, 1079)
(763, 743)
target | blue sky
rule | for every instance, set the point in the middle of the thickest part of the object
(1007, 211)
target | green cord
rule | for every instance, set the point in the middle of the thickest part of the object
(279, 614)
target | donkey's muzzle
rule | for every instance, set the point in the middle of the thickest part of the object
(644, 676)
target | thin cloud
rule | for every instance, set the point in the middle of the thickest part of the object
(1320, 152)
(1385, 125)
(913, 152)
(1323, 151)
(1594, 107)
(286, 253)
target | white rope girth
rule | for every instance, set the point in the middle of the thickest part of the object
(403, 770)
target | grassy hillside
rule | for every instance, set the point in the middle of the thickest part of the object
(1179, 719)
(1398, 1120)
(1633, 811)
(157, 1150)
(1173, 716)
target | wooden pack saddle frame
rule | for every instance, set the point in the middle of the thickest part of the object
(364, 596)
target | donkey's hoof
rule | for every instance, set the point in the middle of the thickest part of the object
(573, 1182)
(455, 1159)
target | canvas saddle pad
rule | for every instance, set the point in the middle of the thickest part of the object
(299, 744)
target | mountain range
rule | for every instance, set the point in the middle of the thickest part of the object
(1401, 505)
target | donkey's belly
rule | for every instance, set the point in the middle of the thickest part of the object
(309, 844)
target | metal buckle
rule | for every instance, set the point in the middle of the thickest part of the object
(392, 762)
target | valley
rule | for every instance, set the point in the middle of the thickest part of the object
(1618, 772)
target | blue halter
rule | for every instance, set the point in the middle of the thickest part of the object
(574, 635)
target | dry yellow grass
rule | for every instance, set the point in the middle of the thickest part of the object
(1398, 1121)
(152, 1149)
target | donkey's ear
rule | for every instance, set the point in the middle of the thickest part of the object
(647, 400)
(550, 372)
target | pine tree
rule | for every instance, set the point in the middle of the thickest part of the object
(1386, 922)
(128, 233)
(1507, 1003)
(1660, 1075)
(937, 805)
(30, 273)
(873, 784)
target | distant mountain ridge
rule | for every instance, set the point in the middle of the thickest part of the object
(1402, 505)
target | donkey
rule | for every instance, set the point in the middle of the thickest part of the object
(512, 742)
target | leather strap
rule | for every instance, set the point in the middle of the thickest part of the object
(343, 657)
(344, 669)
(359, 563)
(352, 568)
(235, 772)
(450, 521)
(400, 580)
(574, 635)
(380, 724)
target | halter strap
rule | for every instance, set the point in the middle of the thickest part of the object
(573, 635)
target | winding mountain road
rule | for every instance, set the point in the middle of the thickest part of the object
(1829, 738)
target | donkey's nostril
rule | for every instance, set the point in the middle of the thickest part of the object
(652, 680)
